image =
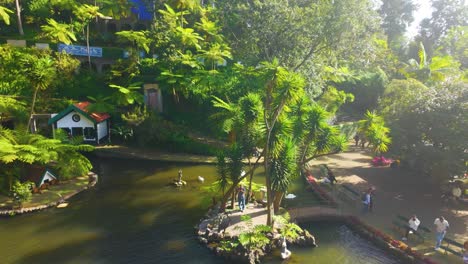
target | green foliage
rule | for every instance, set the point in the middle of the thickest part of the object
(5, 14)
(428, 126)
(373, 128)
(58, 32)
(140, 38)
(22, 191)
(255, 238)
(156, 131)
(283, 166)
(221, 169)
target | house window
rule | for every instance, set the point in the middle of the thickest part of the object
(76, 118)
(77, 131)
(89, 133)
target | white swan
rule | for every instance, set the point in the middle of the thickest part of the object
(201, 179)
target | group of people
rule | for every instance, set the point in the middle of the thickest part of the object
(440, 223)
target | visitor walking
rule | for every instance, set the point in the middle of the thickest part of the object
(241, 197)
(441, 229)
(356, 140)
(372, 202)
(366, 201)
(412, 227)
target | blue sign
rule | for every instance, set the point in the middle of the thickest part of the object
(80, 50)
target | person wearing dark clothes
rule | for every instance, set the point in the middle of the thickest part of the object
(331, 177)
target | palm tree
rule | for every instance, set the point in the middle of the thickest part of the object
(374, 129)
(58, 32)
(283, 169)
(282, 88)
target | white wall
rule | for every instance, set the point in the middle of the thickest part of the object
(67, 121)
(48, 176)
(102, 129)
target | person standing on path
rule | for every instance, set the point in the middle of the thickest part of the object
(366, 201)
(413, 225)
(371, 203)
(441, 229)
(241, 197)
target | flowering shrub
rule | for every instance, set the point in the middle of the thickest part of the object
(381, 161)
(367, 230)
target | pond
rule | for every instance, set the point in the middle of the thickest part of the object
(337, 245)
(134, 216)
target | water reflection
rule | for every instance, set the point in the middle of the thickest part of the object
(135, 216)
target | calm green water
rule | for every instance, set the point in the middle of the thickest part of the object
(134, 216)
(337, 245)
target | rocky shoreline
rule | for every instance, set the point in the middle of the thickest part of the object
(93, 179)
(210, 232)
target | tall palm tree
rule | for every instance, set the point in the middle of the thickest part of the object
(282, 89)
(283, 169)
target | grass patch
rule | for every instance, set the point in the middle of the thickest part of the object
(53, 194)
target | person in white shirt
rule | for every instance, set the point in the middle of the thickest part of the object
(412, 227)
(441, 229)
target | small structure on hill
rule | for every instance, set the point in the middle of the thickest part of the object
(42, 177)
(77, 120)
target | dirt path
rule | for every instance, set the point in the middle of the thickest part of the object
(397, 192)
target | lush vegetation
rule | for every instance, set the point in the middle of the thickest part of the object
(273, 78)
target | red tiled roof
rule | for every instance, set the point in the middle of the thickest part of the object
(99, 117)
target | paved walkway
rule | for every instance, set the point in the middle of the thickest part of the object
(397, 192)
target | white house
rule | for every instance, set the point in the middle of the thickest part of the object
(76, 120)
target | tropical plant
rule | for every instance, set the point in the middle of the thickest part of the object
(58, 32)
(5, 14)
(85, 14)
(42, 73)
(22, 192)
(127, 95)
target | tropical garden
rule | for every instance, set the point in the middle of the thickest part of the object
(282, 82)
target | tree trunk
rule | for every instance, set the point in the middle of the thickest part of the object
(234, 185)
(277, 201)
(250, 184)
(32, 109)
(18, 14)
(87, 46)
(233, 197)
(267, 178)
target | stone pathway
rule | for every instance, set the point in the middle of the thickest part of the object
(397, 192)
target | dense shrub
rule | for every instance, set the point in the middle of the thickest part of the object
(158, 132)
